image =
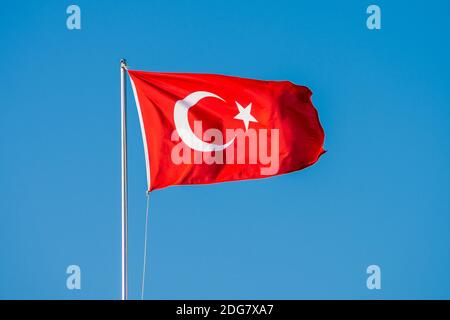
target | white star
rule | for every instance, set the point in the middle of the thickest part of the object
(244, 114)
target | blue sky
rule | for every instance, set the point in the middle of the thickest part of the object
(379, 196)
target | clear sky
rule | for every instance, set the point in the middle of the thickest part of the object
(379, 196)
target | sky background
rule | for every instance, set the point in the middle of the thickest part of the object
(380, 195)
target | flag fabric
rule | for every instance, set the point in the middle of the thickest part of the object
(205, 128)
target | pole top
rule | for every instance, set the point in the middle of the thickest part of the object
(123, 63)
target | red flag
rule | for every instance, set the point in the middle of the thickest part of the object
(204, 128)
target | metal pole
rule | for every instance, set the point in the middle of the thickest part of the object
(123, 105)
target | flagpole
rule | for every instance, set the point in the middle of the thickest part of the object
(123, 105)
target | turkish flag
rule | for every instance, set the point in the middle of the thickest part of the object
(205, 128)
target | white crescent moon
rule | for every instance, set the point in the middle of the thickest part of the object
(180, 115)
